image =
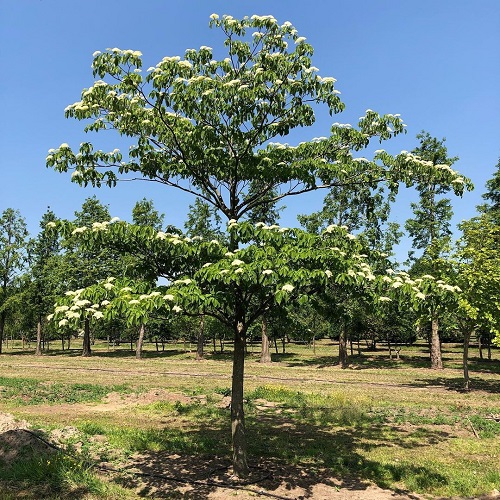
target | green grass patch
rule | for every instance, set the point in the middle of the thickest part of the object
(170, 440)
(333, 408)
(27, 391)
(56, 476)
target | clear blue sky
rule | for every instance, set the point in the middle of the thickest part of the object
(437, 63)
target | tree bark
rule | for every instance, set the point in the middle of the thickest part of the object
(343, 356)
(265, 355)
(2, 327)
(86, 350)
(240, 465)
(466, 360)
(38, 351)
(436, 360)
(140, 342)
(201, 339)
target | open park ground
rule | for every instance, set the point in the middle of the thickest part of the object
(111, 426)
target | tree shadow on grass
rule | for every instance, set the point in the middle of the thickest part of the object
(364, 362)
(97, 353)
(288, 458)
(478, 365)
(145, 354)
(457, 384)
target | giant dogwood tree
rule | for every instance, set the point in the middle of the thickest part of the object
(208, 123)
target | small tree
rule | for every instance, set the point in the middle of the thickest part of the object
(13, 258)
(430, 227)
(45, 272)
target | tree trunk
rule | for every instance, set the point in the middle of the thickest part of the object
(480, 346)
(2, 327)
(466, 360)
(240, 465)
(314, 345)
(201, 339)
(343, 357)
(436, 361)
(38, 351)
(86, 350)
(140, 342)
(265, 355)
(69, 341)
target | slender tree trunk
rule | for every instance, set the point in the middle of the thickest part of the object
(275, 345)
(283, 343)
(240, 465)
(38, 351)
(86, 350)
(480, 345)
(314, 345)
(69, 341)
(343, 357)
(436, 360)
(489, 349)
(201, 339)
(2, 327)
(140, 342)
(265, 355)
(466, 360)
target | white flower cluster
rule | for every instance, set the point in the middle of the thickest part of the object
(264, 18)
(78, 309)
(100, 226)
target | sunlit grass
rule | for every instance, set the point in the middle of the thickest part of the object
(396, 423)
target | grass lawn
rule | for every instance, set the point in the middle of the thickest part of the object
(395, 423)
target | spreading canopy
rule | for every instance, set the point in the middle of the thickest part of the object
(209, 126)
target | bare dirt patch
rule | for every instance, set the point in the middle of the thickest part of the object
(158, 475)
